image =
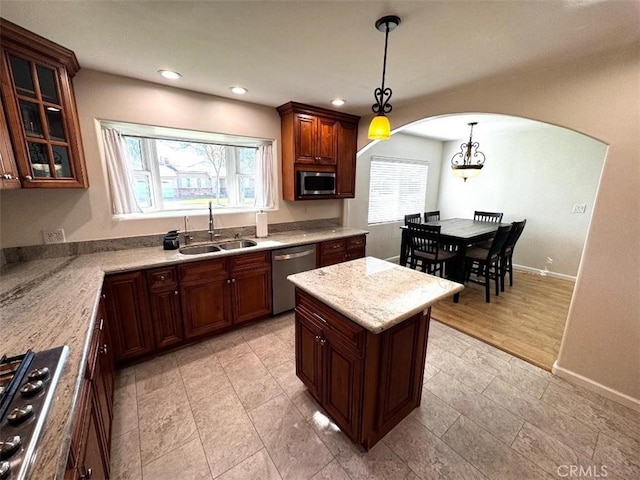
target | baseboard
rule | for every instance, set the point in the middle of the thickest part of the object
(610, 393)
(395, 259)
(544, 273)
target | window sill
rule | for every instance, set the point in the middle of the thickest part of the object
(202, 212)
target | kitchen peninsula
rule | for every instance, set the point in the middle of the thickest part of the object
(361, 340)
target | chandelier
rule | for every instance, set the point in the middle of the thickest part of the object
(468, 161)
(379, 129)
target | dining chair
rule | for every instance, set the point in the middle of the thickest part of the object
(486, 263)
(412, 218)
(495, 217)
(506, 255)
(424, 245)
(433, 216)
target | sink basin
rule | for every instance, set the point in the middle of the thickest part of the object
(198, 249)
(233, 245)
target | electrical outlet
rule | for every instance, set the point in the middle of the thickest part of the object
(53, 236)
(579, 208)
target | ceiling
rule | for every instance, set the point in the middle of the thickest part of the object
(314, 51)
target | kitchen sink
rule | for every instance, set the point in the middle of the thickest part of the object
(235, 244)
(198, 249)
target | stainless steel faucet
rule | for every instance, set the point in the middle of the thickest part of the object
(187, 235)
(212, 227)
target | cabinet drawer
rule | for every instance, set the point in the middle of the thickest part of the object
(203, 270)
(332, 246)
(162, 279)
(335, 324)
(356, 243)
(250, 261)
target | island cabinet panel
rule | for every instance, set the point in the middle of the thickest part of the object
(204, 289)
(164, 304)
(366, 382)
(128, 313)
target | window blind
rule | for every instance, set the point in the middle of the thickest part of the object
(397, 187)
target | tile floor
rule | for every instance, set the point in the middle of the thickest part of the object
(232, 408)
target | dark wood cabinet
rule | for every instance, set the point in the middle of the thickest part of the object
(128, 312)
(250, 286)
(8, 169)
(366, 382)
(164, 306)
(341, 250)
(40, 109)
(321, 140)
(89, 453)
(346, 164)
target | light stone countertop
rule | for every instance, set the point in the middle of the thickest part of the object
(374, 293)
(53, 302)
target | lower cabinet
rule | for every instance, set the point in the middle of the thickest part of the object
(366, 382)
(91, 438)
(250, 286)
(341, 250)
(164, 307)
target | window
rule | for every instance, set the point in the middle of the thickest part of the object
(175, 170)
(397, 187)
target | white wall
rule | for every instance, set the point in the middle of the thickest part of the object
(538, 175)
(85, 214)
(600, 97)
(384, 239)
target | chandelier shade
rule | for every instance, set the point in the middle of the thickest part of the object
(380, 128)
(468, 162)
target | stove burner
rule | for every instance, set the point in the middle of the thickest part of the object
(27, 388)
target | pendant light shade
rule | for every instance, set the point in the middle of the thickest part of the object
(468, 162)
(380, 129)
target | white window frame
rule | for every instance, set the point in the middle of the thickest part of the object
(400, 202)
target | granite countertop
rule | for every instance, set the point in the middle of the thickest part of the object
(53, 302)
(374, 293)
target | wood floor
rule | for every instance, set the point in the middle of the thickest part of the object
(526, 320)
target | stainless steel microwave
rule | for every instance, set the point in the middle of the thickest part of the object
(316, 183)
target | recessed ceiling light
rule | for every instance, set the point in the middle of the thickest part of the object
(238, 90)
(338, 102)
(170, 74)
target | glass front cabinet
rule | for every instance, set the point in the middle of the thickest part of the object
(40, 110)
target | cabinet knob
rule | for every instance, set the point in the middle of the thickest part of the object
(233, 280)
(104, 295)
(161, 277)
(103, 349)
(28, 177)
(317, 338)
(323, 342)
(87, 474)
(228, 282)
(176, 293)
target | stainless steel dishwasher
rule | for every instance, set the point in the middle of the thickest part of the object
(284, 262)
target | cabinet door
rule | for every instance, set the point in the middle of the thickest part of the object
(93, 464)
(308, 354)
(8, 170)
(128, 313)
(304, 130)
(326, 140)
(205, 306)
(251, 294)
(250, 286)
(342, 392)
(356, 247)
(164, 305)
(41, 110)
(331, 252)
(346, 164)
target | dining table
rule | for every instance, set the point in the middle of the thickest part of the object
(458, 233)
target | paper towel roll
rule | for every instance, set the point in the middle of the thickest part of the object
(262, 228)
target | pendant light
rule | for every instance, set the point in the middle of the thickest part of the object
(468, 161)
(379, 129)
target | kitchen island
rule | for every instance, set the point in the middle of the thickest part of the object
(361, 341)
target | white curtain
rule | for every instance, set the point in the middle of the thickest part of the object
(264, 177)
(121, 180)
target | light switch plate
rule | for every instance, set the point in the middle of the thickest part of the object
(579, 208)
(53, 236)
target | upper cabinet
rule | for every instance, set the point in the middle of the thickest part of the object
(319, 140)
(40, 109)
